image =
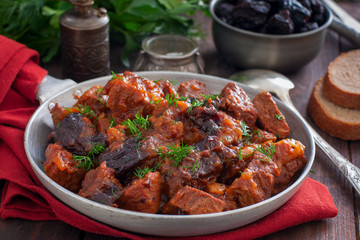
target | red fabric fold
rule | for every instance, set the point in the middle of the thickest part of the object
(24, 197)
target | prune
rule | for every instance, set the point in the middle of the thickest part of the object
(299, 14)
(309, 26)
(249, 14)
(280, 23)
(269, 16)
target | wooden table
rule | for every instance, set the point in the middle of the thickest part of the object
(344, 226)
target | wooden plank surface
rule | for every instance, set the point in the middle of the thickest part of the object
(344, 226)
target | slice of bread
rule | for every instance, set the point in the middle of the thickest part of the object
(340, 122)
(342, 80)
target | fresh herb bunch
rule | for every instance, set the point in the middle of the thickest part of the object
(36, 23)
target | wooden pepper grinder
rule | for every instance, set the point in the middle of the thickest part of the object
(85, 41)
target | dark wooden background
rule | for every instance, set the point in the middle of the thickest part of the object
(344, 226)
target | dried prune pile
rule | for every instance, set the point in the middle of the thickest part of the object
(272, 16)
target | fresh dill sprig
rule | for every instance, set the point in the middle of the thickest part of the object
(86, 111)
(87, 162)
(175, 153)
(194, 103)
(194, 168)
(138, 124)
(268, 151)
(210, 96)
(141, 172)
(279, 117)
(245, 129)
(172, 99)
(112, 123)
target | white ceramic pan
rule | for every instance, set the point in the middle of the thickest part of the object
(40, 125)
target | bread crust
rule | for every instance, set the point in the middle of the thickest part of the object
(333, 88)
(326, 115)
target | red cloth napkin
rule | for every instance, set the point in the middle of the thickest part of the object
(24, 197)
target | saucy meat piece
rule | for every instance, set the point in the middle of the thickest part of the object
(270, 117)
(211, 122)
(173, 178)
(255, 183)
(58, 114)
(289, 156)
(204, 167)
(260, 136)
(61, 167)
(100, 185)
(77, 134)
(94, 99)
(235, 102)
(166, 87)
(143, 195)
(193, 89)
(190, 201)
(126, 100)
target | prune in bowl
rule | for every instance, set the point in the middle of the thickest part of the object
(256, 34)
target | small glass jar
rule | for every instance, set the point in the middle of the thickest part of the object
(169, 53)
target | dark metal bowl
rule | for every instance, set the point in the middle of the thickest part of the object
(282, 53)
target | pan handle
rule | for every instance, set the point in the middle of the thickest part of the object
(50, 86)
(343, 23)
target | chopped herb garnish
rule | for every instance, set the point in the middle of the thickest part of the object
(268, 151)
(86, 111)
(112, 123)
(141, 172)
(112, 191)
(279, 117)
(210, 96)
(173, 82)
(194, 167)
(114, 76)
(87, 162)
(240, 154)
(195, 103)
(245, 129)
(175, 153)
(138, 124)
(154, 102)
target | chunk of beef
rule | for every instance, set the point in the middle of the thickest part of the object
(193, 89)
(260, 136)
(77, 134)
(173, 178)
(143, 195)
(116, 134)
(289, 156)
(255, 183)
(235, 102)
(211, 122)
(61, 167)
(58, 114)
(204, 167)
(126, 100)
(94, 99)
(166, 87)
(270, 117)
(100, 185)
(191, 201)
(206, 119)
